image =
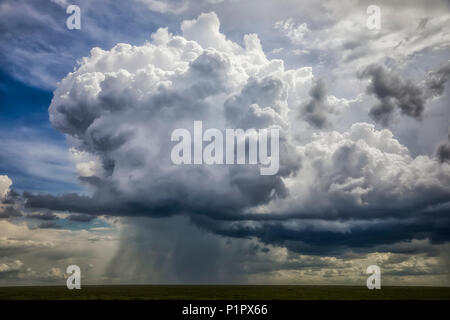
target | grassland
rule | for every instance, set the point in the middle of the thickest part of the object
(225, 292)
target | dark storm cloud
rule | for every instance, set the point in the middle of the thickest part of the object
(436, 80)
(101, 203)
(321, 108)
(9, 211)
(312, 237)
(109, 201)
(73, 201)
(318, 235)
(80, 217)
(11, 197)
(443, 152)
(394, 93)
(49, 225)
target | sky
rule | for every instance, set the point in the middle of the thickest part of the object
(86, 117)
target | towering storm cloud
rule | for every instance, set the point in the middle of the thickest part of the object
(360, 188)
(121, 106)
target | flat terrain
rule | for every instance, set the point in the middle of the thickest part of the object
(226, 292)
